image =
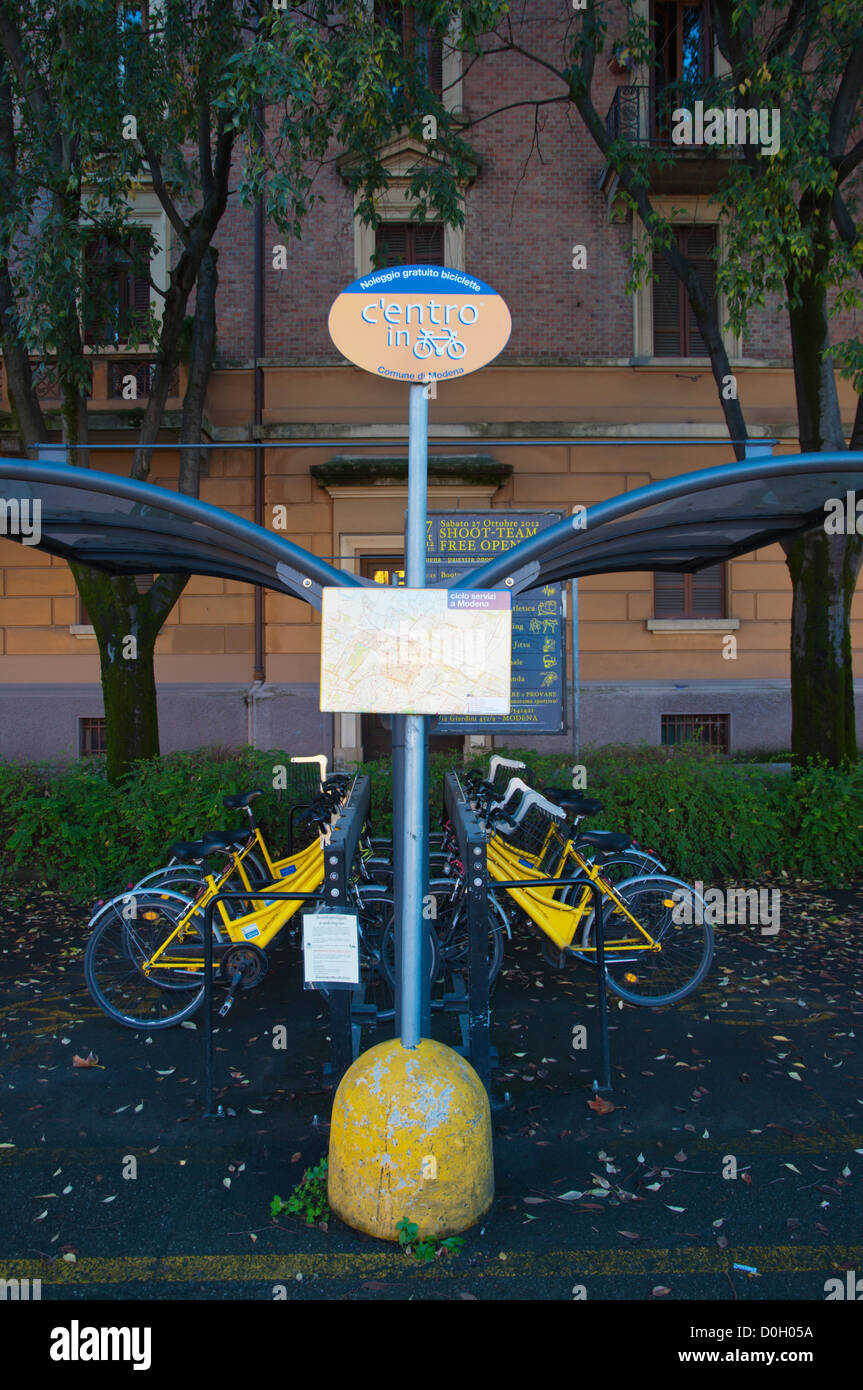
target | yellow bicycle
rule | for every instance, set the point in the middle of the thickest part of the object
(658, 941)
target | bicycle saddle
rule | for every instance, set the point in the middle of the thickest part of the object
(214, 839)
(234, 803)
(604, 839)
(573, 802)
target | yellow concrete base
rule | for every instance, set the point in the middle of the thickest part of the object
(411, 1137)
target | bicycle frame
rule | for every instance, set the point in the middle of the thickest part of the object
(259, 926)
(560, 921)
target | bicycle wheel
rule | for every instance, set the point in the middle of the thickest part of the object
(658, 977)
(116, 956)
(631, 863)
(451, 928)
(386, 947)
(178, 877)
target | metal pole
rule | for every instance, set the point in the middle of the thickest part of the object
(603, 992)
(576, 711)
(398, 729)
(209, 1113)
(414, 829)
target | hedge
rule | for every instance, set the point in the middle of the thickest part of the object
(707, 818)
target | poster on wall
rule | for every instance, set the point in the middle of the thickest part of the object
(458, 540)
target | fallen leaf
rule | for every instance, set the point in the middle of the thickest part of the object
(660, 1291)
(600, 1106)
(91, 1060)
(630, 1235)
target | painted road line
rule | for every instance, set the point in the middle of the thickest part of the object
(176, 1269)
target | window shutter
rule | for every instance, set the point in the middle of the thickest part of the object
(699, 246)
(428, 244)
(675, 332)
(667, 325)
(434, 48)
(134, 285)
(700, 595)
(668, 595)
(408, 243)
(708, 592)
(96, 271)
(391, 244)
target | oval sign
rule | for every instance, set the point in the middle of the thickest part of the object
(419, 323)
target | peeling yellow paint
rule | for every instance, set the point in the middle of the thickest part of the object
(395, 1108)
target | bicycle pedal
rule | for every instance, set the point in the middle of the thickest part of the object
(226, 1007)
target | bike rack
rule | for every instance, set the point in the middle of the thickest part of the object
(472, 843)
(338, 856)
(476, 1043)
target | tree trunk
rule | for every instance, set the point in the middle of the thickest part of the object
(823, 568)
(200, 363)
(127, 624)
(824, 573)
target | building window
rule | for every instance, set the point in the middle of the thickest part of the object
(409, 243)
(710, 729)
(675, 332)
(116, 288)
(418, 40)
(92, 738)
(700, 595)
(683, 59)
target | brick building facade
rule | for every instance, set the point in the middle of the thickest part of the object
(586, 376)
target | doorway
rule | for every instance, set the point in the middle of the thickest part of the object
(376, 737)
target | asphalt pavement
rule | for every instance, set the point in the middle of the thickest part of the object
(735, 1137)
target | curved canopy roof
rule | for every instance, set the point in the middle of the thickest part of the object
(127, 527)
(682, 523)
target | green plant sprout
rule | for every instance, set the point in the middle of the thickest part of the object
(428, 1249)
(308, 1199)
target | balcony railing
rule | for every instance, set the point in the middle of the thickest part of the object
(113, 379)
(642, 115)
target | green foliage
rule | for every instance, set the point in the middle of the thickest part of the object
(425, 1250)
(308, 1199)
(704, 815)
(74, 831)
